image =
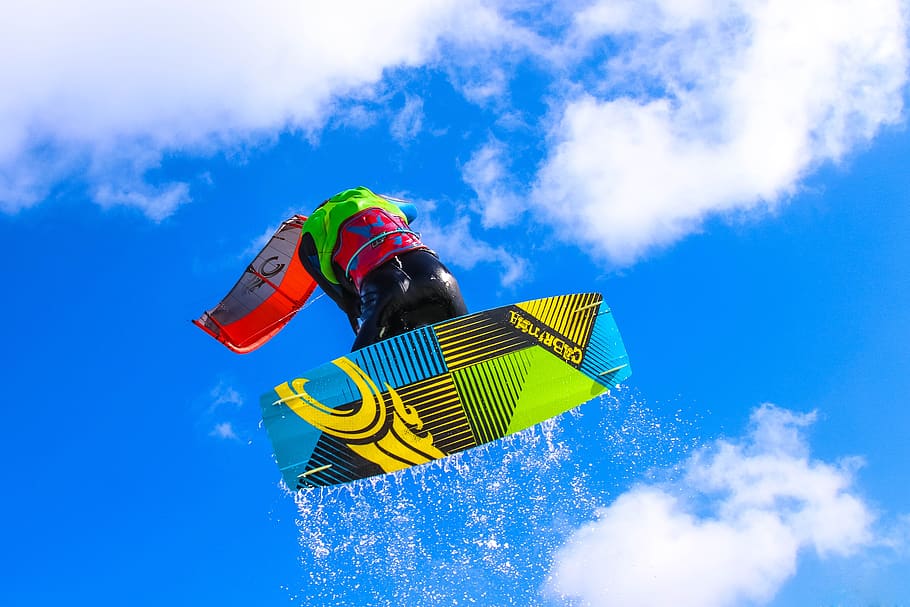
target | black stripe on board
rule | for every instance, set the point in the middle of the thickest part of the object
(343, 464)
(490, 391)
(440, 410)
(478, 337)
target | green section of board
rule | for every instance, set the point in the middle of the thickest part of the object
(442, 389)
(553, 388)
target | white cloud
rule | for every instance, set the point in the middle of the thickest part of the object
(735, 102)
(223, 405)
(224, 430)
(408, 122)
(729, 533)
(111, 86)
(490, 85)
(224, 395)
(625, 16)
(488, 173)
(157, 202)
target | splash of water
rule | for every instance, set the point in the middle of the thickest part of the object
(480, 527)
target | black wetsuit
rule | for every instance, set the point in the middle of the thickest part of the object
(410, 290)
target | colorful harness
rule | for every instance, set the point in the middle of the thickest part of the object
(370, 238)
(358, 231)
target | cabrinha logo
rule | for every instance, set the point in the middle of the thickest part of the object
(366, 429)
(569, 352)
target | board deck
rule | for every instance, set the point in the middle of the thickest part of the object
(444, 388)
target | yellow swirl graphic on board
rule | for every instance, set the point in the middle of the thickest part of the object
(366, 429)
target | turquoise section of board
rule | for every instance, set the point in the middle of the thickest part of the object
(395, 362)
(606, 352)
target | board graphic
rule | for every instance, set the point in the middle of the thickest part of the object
(441, 389)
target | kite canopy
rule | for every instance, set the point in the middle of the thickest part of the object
(272, 289)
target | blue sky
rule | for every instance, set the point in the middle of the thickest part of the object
(732, 176)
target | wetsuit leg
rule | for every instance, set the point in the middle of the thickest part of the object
(409, 291)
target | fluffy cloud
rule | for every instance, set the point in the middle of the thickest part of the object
(729, 533)
(104, 88)
(710, 108)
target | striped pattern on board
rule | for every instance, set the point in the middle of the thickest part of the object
(438, 406)
(341, 465)
(489, 392)
(404, 360)
(477, 337)
(569, 315)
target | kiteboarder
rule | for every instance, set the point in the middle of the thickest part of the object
(359, 247)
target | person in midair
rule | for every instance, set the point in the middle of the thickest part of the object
(360, 249)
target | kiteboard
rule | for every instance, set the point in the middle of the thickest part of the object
(442, 389)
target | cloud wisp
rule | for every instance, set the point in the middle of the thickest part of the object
(456, 244)
(224, 430)
(224, 402)
(729, 532)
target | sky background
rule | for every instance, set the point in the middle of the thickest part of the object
(732, 176)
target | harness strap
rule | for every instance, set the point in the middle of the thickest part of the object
(347, 269)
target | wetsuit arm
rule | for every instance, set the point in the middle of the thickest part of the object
(344, 299)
